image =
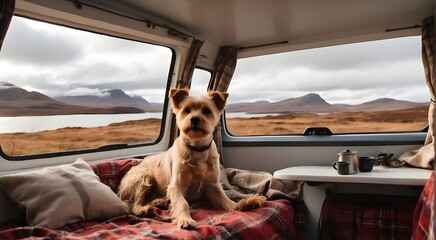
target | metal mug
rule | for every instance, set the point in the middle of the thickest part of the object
(342, 167)
(366, 163)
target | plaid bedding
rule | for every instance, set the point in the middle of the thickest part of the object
(366, 216)
(423, 217)
(275, 220)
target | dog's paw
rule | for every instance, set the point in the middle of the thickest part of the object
(144, 211)
(252, 202)
(163, 203)
(187, 223)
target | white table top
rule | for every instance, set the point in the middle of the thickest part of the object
(391, 176)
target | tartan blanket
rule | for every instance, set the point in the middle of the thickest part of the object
(366, 216)
(423, 217)
(275, 220)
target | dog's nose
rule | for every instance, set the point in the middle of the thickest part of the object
(195, 120)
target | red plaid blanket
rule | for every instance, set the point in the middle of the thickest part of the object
(423, 217)
(273, 221)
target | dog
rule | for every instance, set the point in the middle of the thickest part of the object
(189, 170)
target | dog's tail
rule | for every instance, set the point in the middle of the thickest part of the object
(135, 188)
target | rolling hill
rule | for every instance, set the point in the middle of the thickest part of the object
(15, 101)
(112, 98)
(316, 104)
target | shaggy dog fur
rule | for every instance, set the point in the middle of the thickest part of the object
(189, 169)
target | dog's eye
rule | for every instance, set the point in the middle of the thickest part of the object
(206, 111)
(188, 110)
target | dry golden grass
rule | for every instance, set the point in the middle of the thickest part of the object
(133, 132)
(390, 121)
(130, 132)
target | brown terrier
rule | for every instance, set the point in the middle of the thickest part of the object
(189, 169)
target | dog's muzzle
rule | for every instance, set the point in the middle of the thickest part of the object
(195, 121)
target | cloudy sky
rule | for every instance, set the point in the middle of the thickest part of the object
(57, 61)
(352, 73)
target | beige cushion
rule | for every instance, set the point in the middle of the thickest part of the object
(56, 196)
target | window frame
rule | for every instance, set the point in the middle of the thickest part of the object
(232, 136)
(109, 147)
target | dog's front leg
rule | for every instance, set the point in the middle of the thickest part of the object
(180, 207)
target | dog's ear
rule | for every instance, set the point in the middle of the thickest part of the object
(177, 96)
(219, 98)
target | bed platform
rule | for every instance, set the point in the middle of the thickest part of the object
(277, 219)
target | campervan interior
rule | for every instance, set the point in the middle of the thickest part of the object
(310, 84)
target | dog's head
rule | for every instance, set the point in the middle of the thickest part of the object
(197, 117)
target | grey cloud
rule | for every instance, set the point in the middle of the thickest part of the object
(109, 76)
(22, 46)
(360, 55)
(95, 72)
(382, 69)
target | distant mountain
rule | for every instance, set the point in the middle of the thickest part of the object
(381, 104)
(308, 103)
(314, 103)
(246, 106)
(15, 101)
(112, 98)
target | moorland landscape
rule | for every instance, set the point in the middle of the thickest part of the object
(290, 116)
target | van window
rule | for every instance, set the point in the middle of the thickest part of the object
(200, 82)
(367, 87)
(63, 89)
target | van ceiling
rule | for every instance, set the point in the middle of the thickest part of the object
(262, 27)
(245, 23)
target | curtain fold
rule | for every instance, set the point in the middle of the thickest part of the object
(225, 65)
(425, 156)
(6, 12)
(185, 78)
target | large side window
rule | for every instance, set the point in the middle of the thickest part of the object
(63, 89)
(367, 87)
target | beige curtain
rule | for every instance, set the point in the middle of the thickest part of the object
(425, 156)
(225, 65)
(6, 13)
(185, 78)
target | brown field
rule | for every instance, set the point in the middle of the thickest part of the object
(15, 144)
(387, 121)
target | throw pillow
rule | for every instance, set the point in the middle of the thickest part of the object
(56, 196)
